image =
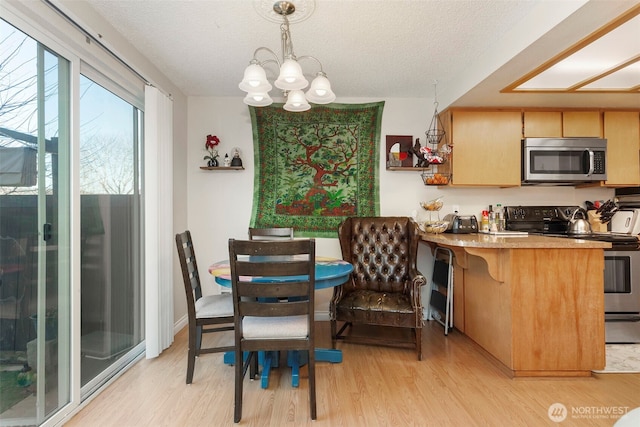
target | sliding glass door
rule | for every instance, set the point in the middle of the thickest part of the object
(71, 271)
(111, 320)
(35, 287)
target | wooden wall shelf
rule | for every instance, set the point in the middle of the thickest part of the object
(405, 168)
(222, 168)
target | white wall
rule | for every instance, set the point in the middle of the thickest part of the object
(217, 205)
(220, 202)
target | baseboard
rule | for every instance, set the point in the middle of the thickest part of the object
(322, 316)
(181, 323)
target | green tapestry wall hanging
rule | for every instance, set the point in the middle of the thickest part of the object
(316, 168)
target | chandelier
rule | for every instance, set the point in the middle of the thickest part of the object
(291, 79)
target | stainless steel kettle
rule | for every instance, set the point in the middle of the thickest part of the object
(579, 225)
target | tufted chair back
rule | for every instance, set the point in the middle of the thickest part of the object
(383, 251)
(384, 288)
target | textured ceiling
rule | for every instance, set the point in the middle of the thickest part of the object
(371, 48)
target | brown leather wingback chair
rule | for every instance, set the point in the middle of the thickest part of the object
(384, 288)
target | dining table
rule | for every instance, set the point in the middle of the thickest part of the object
(330, 272)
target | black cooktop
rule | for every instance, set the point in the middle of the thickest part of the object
(614, 238)
(553, 221)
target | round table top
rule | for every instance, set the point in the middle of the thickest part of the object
(330, 272)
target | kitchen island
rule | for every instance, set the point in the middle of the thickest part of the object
(535, 304)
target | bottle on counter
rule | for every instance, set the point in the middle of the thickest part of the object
(493, 223)
(484, 224)
(500, 217)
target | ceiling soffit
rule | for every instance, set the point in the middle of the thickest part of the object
(606, 61)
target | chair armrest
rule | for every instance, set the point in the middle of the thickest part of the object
(417, 282)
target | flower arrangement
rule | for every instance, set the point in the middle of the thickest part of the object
(210, 147)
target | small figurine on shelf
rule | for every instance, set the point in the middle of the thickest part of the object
(227, 161)
(420, 155)
(212, 151)
(236, 161)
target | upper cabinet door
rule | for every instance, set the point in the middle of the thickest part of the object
(542, 124)
(582, 123)
(486, 148)
(622, 130)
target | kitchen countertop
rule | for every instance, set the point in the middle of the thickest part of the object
(479, 240)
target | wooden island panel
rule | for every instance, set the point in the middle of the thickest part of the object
(558, 311)
(487, 312)
(535, 304)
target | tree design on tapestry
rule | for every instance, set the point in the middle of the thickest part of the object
(316, 168)
(320, 161)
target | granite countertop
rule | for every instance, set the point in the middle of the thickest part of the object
(511, 242)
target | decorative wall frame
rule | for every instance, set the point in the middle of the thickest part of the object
(398, 149)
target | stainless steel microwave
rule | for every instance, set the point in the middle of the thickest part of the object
(563, 160)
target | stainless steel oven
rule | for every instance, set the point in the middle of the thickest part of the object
(622, 275)
(622, 296)
(622, 282)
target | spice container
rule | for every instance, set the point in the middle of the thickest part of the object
(484, 223)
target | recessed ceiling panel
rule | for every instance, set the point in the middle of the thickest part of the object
(628, 77)
(609, 62)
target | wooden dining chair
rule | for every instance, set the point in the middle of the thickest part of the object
(271, 233)
(207, 314)
(273, 285)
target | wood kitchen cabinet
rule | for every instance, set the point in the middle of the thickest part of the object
(486, 148)
(486, 143)
(542, 124)
(552, 124)
(622, 131)
(581, 124)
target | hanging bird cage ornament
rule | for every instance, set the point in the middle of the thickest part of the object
(435, 133)
(437, 150)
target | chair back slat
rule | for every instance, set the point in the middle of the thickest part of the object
(273, 233)
(271, 267)
(273, 309)
(273, 290)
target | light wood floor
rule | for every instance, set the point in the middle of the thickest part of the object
(454, 385)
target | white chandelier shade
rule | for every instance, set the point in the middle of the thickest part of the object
(296, 102)
(255, 79)
(258, 99)
(320, 91)
(291, 79)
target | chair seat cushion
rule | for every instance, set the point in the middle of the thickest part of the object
(275, 327)
(363, 299)
(214, 306)
(378, 308)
